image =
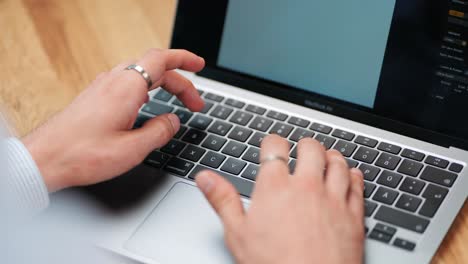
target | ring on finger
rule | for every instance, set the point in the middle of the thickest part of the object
(273, 157)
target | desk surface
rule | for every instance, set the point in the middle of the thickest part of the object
(51, 49)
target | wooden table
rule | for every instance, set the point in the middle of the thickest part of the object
(51, 49)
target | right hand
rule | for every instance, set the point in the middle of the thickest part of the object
(314, 216)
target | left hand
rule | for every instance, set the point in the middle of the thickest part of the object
(92, 141)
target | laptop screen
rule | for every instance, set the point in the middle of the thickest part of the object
(398, 60)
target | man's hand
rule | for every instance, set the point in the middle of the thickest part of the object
(92, 141)
(313, 216)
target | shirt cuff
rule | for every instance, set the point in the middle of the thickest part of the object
(24, 180)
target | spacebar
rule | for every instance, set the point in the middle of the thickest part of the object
(401, 219)
(244, 187)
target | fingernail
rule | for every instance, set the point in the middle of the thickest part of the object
(175, 122)
(205, 183)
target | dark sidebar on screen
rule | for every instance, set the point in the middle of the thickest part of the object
(425, 75)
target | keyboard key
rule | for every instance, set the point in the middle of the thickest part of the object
(402, 219)
(389, 179)
(343, 134)
(388, 161)
(300, 133)
(183, 115)
(235, 103)
(385, 229)
(369, 142)
(408, 202)
(389, 148)
(214, 142)
(213, 159)
(194, 136)
(412, 186)
(141, 120)
(412, 154)
(233, 166)
(321, 128)
(438, 176)
(434, 196)
(368, 189)
(260, 123)
(179, 166)
(192, 153)
(298, 121)
(234, 149)
(345, 148)
(379, 236)
(244, 187)
(221, 112)
(293, 153)
(369, 172)
(181, 131)
(241, 118)
(369, 208)
(455, 167)
(200, 122)
(156, 108)
(240, 134)
(352, 163)
(251, 172)
(292, 166)
(326, 141)
(220, 128)
(385, 195)
(366, 155)
(404, 244)
(438, 162)
(255, 109)
(207, 107)
(174, 147)
(277, 115)
(156, 159)
(178, 103)
(409, 167)
(200, 92)
(163, 95)
(252, 155)
(256, 139)
(281, 129)
(214, 97)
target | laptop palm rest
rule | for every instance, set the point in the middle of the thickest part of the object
(182, 228)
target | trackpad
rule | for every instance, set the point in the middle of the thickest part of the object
(183, 228)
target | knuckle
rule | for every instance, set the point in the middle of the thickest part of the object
(165, 128)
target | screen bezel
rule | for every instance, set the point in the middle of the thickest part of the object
(198, 27)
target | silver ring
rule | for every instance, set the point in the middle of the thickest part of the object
(142, 72)
(273, 157)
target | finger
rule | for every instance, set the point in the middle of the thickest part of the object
(223, 197)
(184, 89)
(154, 134)
(337, 176)
(274, 172)
(356, 194)
(156, 62)
(311, 160)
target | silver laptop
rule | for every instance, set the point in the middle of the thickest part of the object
(383, 81)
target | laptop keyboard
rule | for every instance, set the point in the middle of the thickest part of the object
(404, 188)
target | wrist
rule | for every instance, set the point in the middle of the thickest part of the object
(47, 158)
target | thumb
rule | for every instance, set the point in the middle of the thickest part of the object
(154, 134)
(223, 197)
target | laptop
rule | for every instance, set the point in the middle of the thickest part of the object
(383, 81)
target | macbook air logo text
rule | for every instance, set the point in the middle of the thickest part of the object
(318, 105)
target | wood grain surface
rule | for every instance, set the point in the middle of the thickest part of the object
(51, 49)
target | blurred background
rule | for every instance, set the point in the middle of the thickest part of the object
(50, 50)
